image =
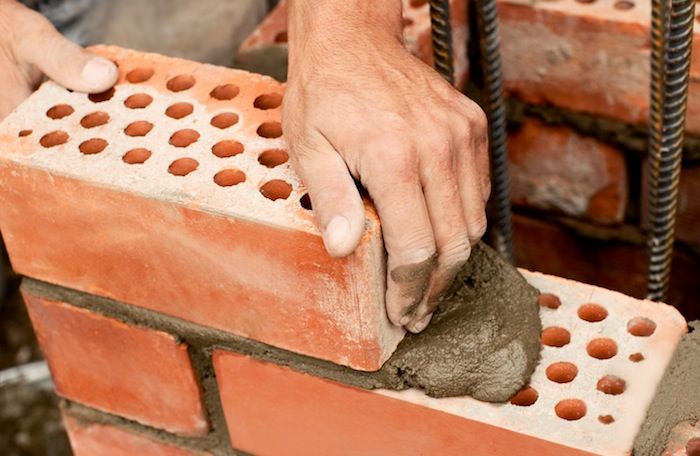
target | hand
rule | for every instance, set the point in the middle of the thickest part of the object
(31, 47)
(358, 105)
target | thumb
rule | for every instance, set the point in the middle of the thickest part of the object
(337, 205)
(41, 45)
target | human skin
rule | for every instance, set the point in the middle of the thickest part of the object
(359, 106)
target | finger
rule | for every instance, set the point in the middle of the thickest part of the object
(438, 173)
(15, 92)
(473, 180)
(408, 237)
(40, 44)
(337, 205)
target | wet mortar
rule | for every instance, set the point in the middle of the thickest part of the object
(677, 398)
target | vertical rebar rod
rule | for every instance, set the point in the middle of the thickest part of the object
(489, 48)
(441, 29)
(671, 34)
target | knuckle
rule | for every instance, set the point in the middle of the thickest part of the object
(455, 253)
(477, 226)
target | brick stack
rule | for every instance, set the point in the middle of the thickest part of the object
(185, 304)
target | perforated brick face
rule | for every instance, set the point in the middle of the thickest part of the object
(603, 356)
(173, 191)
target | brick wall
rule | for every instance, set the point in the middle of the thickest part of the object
(145, 216)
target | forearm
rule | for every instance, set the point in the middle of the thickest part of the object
(324, 28)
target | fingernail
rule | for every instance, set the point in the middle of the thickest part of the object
(99, 73)
(422, 324)
(336, 233)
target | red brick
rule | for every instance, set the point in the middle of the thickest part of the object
(555, 168)
(95, 439)
(584, 56)
(138, 373)
(272, 31)
(552, 249)
(225, 257)
(272, 409)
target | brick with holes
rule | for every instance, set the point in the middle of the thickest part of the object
(272, 34)
(589, 394)
(585, 55)
(184, 202)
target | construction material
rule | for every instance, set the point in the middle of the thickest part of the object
(677, 399)
(483, 340)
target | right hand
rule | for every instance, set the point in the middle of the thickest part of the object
(30, 47)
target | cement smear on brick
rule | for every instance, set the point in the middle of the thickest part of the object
(483, 341)
(677, 397)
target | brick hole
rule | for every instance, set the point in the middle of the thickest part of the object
(586, 2)
(606, 419)
(136, 156)
(525, 397)
(94, 119)
(59, 111)
(570, 409)
(224, 92)
(692, 447)
(139, 75)
(273, 157)
(102, 96)
(611, 384)
(179, 110)
(270, 130)
(268, 101)
(555, 336)
(183, 166)
(641, 327)
(23, 133)
(624, 5)
(180, 82)
(92, 146)
(138, 128)
(224, 120)
(305, 202)
(592, 313)
(602, 348)
(636, 357)
(276, 189)
(561, 372)
(549, 300)
(54, 138)
(229, 177)
(418, 3)
(183, 138)
(407, 22)
(281, 37)
(227, 148)
(138, 101)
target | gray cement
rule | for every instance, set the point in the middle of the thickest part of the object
(483, 341)
(677, 397)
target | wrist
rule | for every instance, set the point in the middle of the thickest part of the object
(324, 31)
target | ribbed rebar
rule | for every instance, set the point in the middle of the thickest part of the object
(672, 33)
(442, 39)
(489, 46)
